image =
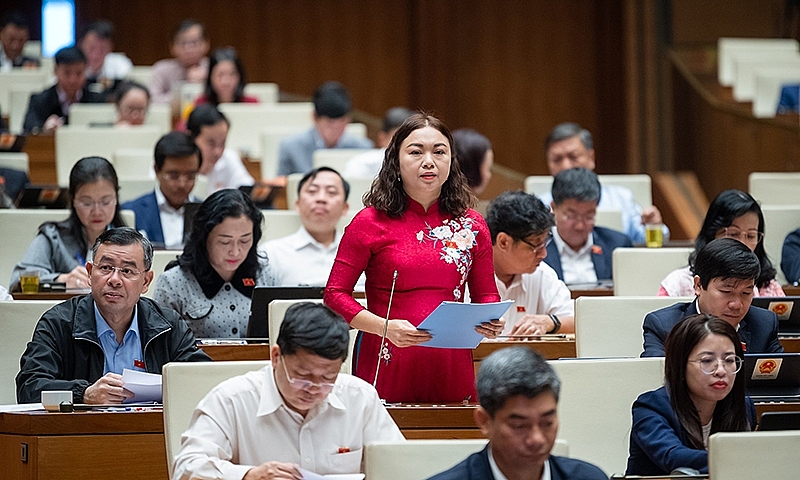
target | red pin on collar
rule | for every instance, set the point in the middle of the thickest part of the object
(597, 249)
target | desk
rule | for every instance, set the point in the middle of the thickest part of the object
(41, 150)
(84, 445)
(130, 445)
(224, 353)
(549, 349)
(790, 344)
(592, 292)
(48, 295)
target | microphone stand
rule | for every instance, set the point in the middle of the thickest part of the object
(385, 328)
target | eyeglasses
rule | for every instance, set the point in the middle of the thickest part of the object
(175, 176)
(541, 246)
(587, 219)
(191, 42)
(91, 204)
(708, 365)
(298, 384)
(128, 110)
(744, 237)
(105, 270)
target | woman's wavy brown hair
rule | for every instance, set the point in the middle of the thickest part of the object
(387, 193)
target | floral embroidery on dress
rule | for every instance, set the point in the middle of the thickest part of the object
(457, 238)
(386, 352)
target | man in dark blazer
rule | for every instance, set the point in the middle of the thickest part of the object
(14, 33)
(49, 109)
(790, 256)
(725, 273)
(518, 394)
(160, 214)
(580, 252)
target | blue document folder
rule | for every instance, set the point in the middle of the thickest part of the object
(452, 324)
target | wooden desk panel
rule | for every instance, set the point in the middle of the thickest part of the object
(250, 351)
(83, 445)
(41, 150)
(549, 349)
(790, 344)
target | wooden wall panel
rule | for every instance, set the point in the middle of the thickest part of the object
(511, 70)
(703, 21)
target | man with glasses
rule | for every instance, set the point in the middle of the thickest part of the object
(85, 343)
(298, 412)
(725, 271)
(160, 214)
(580, 251)
(520, 227)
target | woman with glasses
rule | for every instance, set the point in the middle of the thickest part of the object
(734, 214)
(132, 101)
(419, 243)
(211, 283)
(703, 393)
(61, 249)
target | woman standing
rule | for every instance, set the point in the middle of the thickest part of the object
(703, 394)
(211, 283)
(419, 224)
(61, 249)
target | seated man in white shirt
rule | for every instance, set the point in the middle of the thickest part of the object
(580, 251)
(296, 413)
(568, 146)
(368, 164)
(520, 227)
(306, 256)
(159, 215)
(104, 69)
(208, 127)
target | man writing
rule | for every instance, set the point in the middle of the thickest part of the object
(84, 344)
(580, 251)
(160, 214)
(518, 413)
(725, 271)
(306, 256)
(519, 224)
(297, 412)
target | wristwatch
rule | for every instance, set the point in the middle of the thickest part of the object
(556, 324)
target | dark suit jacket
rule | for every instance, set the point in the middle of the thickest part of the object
(606, 239)
(46, 103)
(758, 330)
(476, 467)
(790, 256)
(148, 218)
(658, 440)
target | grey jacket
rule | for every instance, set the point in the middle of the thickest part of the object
(51, 253)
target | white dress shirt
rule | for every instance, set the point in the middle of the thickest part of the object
(617, 197)
(299, 259)
(228, 172)
(171, 222)
(577, 266)
(498, 475)
(537, 293)
(244, 422)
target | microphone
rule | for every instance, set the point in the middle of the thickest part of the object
(385, 327)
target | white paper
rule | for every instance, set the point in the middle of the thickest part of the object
(146, 387)
(24, 407)
(307, 475)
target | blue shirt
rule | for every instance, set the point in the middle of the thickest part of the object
(120, 356)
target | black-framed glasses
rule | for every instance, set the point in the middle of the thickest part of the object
(298, 384)
(541, 246)
(709, 365)
(105, 270)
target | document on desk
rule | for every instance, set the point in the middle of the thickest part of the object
(146, 387)
(307, 475)
(453, 324)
